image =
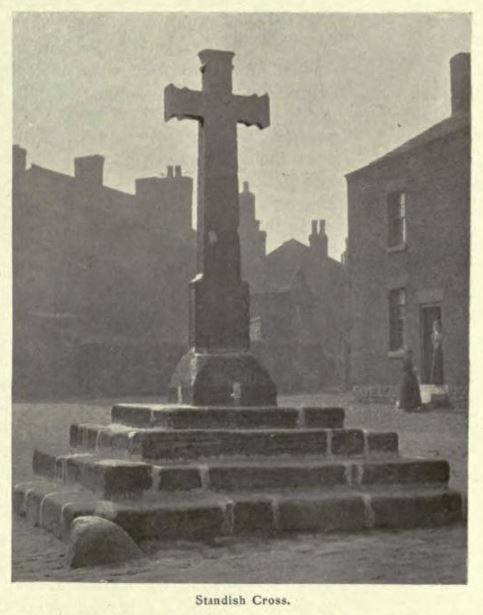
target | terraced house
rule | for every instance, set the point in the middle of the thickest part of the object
(408, 253)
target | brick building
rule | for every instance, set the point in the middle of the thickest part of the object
(408, 252)
(99, 280)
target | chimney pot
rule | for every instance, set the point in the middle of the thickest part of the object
(314, 227)
(177, 170)
(322, 227)
(460, 72)
(170, 171)
(246, 186)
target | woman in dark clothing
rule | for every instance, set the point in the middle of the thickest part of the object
(409, 396)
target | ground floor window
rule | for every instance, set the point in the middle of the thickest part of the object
(397, 318)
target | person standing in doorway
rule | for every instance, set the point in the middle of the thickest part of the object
(437, 375)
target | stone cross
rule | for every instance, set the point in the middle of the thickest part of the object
(219, 318)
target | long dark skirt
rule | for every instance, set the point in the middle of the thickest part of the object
(437, 375)
(409, 395)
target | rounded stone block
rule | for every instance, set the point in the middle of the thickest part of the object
(96, 541)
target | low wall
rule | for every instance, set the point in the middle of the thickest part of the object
(388, 394)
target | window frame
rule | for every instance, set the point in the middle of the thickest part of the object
(396, 208)
(397, 304)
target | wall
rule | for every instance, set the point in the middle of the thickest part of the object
(96, 268)
(434, 266)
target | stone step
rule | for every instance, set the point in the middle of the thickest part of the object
(52, 506)
(155, 444)
(195, 516)
(191, 417)
(123, 478)
(111, 478)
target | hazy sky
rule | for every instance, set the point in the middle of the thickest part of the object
(343, 88)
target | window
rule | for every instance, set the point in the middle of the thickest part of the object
(396, 212)
(397, 317)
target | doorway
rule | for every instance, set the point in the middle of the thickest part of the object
(429, 313)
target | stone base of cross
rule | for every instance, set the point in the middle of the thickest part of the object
(221, 379)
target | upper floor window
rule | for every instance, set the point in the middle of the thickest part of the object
(396, 213)
(397, 318)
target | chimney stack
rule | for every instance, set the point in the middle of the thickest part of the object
(318, 239)
(246, 187)
(89, 169)
(460, 71)
(177, 170)
(170, 171)
(19, 159)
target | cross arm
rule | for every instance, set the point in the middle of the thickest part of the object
(182, 103)
(253, 110)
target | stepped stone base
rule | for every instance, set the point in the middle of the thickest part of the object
(106, 476)
(169, 472)
(195, 516)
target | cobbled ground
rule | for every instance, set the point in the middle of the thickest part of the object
(415, 556)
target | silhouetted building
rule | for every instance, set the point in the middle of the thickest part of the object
(100, 280)
(408, 252)
(100, 286)
(298, 321)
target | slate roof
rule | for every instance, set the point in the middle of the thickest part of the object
(283, 265)
(440, 130)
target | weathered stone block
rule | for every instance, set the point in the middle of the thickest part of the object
(71, 510)
(188, 417)
(277, 476)
(33, 499)
(400, 472)
(84, 436)
(113, 437)
(190, 444)
(52, 508)
(329, 418)
(165, 523)
(322, 514)
(416, 510)
(382, 442)
(253, 517)
(135, 415)
(347, 442)
(179, 479)
(115, 478)
(19, 501)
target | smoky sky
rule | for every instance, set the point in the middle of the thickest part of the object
(343, 88)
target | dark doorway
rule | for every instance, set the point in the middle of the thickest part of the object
(429, 313)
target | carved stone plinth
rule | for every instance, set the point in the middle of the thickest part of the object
(221, 379)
